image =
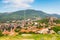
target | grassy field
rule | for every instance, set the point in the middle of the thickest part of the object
(32, 37)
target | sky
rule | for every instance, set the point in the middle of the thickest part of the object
(48, 6)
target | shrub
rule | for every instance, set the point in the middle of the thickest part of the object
(56, 28)
(1, 33)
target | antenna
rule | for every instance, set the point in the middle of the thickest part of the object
(24, 15)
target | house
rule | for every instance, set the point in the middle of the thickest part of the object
(43, 31)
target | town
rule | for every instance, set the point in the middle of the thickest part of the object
(29, 26)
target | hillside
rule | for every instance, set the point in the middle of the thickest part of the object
(28, 14)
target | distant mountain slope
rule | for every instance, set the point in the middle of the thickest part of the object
(28, 14)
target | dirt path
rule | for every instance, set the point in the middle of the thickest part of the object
(27, 39)
(26, 35)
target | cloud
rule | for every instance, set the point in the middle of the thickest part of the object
(17, 3)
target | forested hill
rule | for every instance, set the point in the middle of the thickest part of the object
(25, 13)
